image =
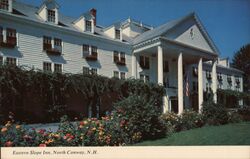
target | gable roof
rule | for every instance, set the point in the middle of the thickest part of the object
(161, 30)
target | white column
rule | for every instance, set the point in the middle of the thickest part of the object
(10, 6)
(160, 65)
(200, 84)
(180, 84)
(134, 66)
(214, 80)
(92, 26)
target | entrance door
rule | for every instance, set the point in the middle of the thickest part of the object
(174, 105)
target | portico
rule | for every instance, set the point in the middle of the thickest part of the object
(179, 57)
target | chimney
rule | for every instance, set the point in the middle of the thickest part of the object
(93, 12)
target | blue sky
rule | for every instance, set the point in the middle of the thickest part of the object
(227, 21)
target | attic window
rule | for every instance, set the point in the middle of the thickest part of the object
(51, 16)
(88, 25)
(4, 4)
(117, 34)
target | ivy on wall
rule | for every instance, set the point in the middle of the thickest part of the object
(23, 90)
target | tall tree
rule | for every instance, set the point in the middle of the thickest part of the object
(241, 61)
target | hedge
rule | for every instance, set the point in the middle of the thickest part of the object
(35, 96)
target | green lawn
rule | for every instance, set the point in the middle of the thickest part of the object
(231, 134)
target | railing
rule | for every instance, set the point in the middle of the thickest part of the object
(53, 51)
(121, 62)
(92, 56)
(144, 66)
(10, 42)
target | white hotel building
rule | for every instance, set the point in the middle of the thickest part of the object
(181, 49)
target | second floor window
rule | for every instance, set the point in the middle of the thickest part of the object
(47, 43)
(58, 68)
(11, 61)
(208, 75)
(144, 62)
(47, 66)
(116, 56)
(58, 42)
(11, 36)
(94, 50)
(88, 26)
(85, 49)
(165, 66)
(51, 16)
(4, 4)
(117, 34)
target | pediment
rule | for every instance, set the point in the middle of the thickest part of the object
(190, 33)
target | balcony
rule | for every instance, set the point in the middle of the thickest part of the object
(121, 62)
(144, 66)
(92, 56)
(52, 51)
(10, 42)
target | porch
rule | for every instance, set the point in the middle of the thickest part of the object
(170, 65)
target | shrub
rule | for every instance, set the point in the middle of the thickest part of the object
(234, 117)
(187, 120)
(138, 118)
(244, 112)
(214, 114)
(190, 119)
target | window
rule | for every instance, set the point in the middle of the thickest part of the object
(4, 4)
(47, 43)
(195, 72)
(94, 50)
(208, 75)
(93, 71)
(51, 16)
(11, 61)
(165, 66)
(144, 78)
(1, 60)
(85, 49)
(57, 42)
(11, 36)
(1, 34)
(117, 34)
(47, 66)
(116, 56)
(58, 68)
(116, 74)
(229, 79)
(219, 77)
(123, 75)
(88, 26)
(144, 62)
(195, 86)
(123, 58)
(85, 70)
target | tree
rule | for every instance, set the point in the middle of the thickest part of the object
(241, 61)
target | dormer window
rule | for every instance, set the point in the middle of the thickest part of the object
(117, 34)
(4, 5)
(88, 26)
(51, 16)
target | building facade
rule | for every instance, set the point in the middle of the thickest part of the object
(179, 54)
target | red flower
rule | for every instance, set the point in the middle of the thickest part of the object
(42, 145)
(9, 144)
(82, 123)
(41, 131)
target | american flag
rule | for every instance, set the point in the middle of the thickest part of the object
(186, 85)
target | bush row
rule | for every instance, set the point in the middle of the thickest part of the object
(35, 96)
(134, 119)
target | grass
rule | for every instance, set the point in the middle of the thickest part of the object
(231, 134)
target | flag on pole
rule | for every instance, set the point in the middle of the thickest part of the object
(187, 85)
